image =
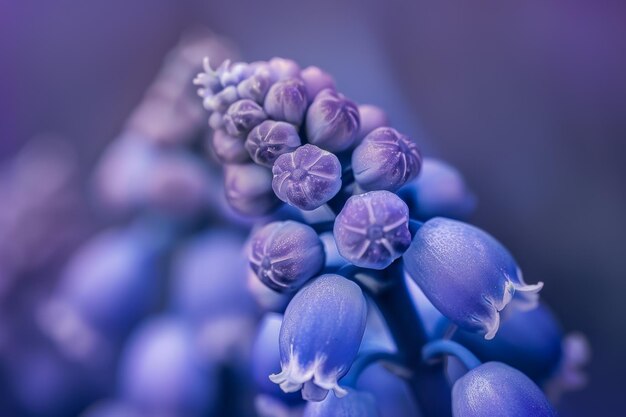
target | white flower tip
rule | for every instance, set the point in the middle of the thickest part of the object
(492, 328)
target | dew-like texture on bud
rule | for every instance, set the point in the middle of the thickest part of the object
(320, 337)
(248, 189)
(332, 121)
(284, 255)
(355, 404)
(242, 116)
(316, 80)
(439, 191)
(496, 389)
(371, 117)
(226, 148)
(385, 160)
(286, 100)
(267, 141)
(307, 177)
(467, 274)
(372, 229)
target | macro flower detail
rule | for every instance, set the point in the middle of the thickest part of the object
(284, 255)
(385, 160)
(332, 121)
(467, 274)
(372, 117)
(286, 100)
(242, 116)
(249, 189)
(372, 230)
(316, 80)
(307, 177)
(226, 148)
(496, 389)
(267, 141)
(355, 404)
(255, 87)
(320, 337)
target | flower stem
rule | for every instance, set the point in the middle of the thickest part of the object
(448, 347)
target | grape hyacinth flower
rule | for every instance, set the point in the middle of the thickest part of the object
(287, 100)
(242, 116)
(307, 177)
(332, 121)
(372, 117)
(320, 337)
(270, 139)
(467, 274)
(372, 230)
(285, 255)
(316, 80)
(226, 148)
(385, 160)
(249, 189)
(355, 404)
(496, 389)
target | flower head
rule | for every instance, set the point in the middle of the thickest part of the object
(332, 121)
(284, 255)
(372, 230)
(355, 404)
(267, 141)
(320, 336)
(385, 160)
(307, 177)
(286, 100)
(242, 116)
(467, 274)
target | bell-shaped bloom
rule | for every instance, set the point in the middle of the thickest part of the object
(242, 116)
(332, 121)
(372, 117)
(355, 404)
(385, 160)
(226, 148)
(372, 229)
(320, 336)
(160, 373)
(496, 389)
(248, 189)
(467, 274)
(316, 80)
(267, 141)
(439, 191)
(284, 255)
(306, 178)
(286, 100)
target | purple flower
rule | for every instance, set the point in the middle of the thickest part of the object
(355, 404)
(284, 255)
(372, 117)
(307, 177)
(372, 230)
(332, 121)
(320, 337)
(467, 274)
(242, 116)
(496, 389)
(248, 189)
(286, 100)
(385, 160)
(316, 80)
(255, 87)
(226, 148)
(221, 101)
(269, 140)
(283, 69)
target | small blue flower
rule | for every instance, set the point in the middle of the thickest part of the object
(242, 116)
(248, 189)
(286, 100)
(467, 274)
(355, 404)
(284, 255)
(316, 80)
(372, 117)
(320, 337)
(372, 230)
(385, 160)
(496, 389)
(226, 148)
(267, 141)
(307, 177)
(332, 121)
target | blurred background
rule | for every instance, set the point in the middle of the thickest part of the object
(528, 100)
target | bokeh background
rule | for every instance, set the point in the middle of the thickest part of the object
(528, 99)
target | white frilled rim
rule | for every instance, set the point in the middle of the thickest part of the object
(293, 377)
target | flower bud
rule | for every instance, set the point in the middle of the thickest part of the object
(248, 189)
(226, 148)
(332, 121)
(320, 337)
(267, 141)
(282, 68)
(385, 160)
(221, 101)
(255, 87)
(467, 274)
(355, 404)
(371, 117)
(233, 74)
(307, 177)
(284, 255)
(286, 100)
(372, 230)
(496, 389)
(242, 116)
(316, 80)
